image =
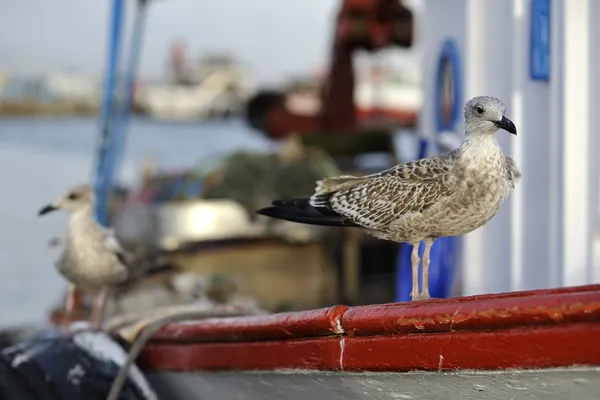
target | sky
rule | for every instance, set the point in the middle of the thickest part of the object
(274, 38)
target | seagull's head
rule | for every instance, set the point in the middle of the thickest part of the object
(485, 115)
(77, 198)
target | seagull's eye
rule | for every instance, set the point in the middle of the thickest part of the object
(479, 109)
(73, 196)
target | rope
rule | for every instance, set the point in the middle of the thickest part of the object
(117, 102)
(152, 328)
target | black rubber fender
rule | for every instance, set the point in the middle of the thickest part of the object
(79, 366)
(12, 384)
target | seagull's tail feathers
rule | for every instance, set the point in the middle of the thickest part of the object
(305, 212)
(317, 209)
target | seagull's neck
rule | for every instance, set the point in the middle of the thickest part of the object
(83, 215)
(479, 147)
(481, 143)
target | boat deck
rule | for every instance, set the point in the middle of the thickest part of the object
(572, 384)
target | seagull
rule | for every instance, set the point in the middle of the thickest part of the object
(444, 195)
(92, 257)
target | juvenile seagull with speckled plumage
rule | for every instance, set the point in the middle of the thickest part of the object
(92, 257)
(444, 195)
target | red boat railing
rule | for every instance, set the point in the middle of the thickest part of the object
(533, 329)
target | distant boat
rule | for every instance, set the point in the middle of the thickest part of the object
(216, 88)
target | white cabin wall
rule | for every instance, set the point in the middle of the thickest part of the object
(594, 44)
(580, 149)
(433, 29)
(531, 105)
(542, 237)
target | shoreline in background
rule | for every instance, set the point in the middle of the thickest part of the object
(66, 109)
(35, 108)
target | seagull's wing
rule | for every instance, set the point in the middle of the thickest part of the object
(64, 261)
(137, 265)
(513, 170)
(113, 245)
(377, 200)
(371, 201)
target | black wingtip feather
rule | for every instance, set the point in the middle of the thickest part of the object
(290, 202)
(300, 210)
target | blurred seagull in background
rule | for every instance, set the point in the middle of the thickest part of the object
(92, 257)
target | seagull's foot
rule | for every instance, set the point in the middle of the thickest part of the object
(424, 295)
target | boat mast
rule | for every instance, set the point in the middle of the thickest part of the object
(117, 101)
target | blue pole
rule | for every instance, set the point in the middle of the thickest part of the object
(108, 108)
(117, 145)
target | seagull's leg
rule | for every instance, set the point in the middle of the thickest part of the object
(414, 260)
(70, 301)
(69, 306)
(426, 260)
(98, 308)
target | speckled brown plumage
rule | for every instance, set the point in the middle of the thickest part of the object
(92, 257)
(444, 195)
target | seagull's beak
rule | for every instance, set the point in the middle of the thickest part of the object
(47, 209)
(507, 125)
